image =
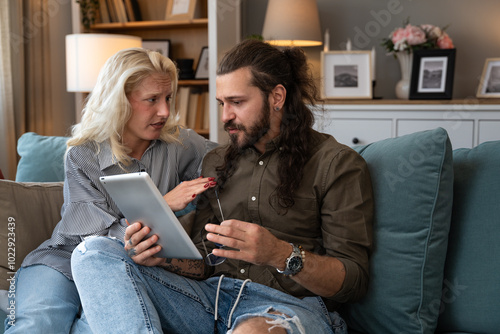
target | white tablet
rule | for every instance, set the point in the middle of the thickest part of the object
(139, 199)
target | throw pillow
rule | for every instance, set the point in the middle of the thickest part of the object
(42, 158)
(412, 179)
(471, 289)
(28, 214)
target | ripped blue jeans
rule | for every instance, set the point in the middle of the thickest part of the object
(120, 296)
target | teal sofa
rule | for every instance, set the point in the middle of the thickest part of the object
(434, 267)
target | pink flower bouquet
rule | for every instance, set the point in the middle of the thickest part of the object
(423, 37)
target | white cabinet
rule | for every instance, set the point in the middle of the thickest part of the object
(468, 124)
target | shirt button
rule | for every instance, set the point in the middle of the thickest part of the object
(242, 271)
(261, 163)
(254, 198)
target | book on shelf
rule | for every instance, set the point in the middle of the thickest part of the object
(113, 16)
(103, 11)
(133, 10)
(182, 104)
(120, 10)
(192, 108)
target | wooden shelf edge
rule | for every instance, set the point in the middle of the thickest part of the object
(468, 101)
(203, 22)
(193, 82)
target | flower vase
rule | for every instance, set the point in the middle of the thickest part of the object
(403, 86)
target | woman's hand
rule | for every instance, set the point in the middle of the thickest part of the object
(142, 250)
(179, 197)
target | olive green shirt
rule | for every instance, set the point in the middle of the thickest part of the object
(332, 214)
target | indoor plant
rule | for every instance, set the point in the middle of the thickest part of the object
(403, 41)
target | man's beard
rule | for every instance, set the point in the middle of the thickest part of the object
(252, 135)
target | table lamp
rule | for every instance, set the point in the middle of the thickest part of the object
(292, 23)
(87, 53)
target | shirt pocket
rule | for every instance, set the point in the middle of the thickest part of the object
(300, 219)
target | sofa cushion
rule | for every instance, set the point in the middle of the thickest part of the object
(471, 290)
(412, 180)
(28, 214)
(42, 158)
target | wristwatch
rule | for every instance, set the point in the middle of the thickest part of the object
(294, 263)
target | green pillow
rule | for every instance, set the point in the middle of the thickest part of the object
(412, 179)
(42, 158)
(471, 290)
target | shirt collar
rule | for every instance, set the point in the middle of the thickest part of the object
(105, 156)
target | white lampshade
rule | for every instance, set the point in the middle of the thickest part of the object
(87, 53)
(292, 23)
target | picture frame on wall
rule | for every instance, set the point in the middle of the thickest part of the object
(489, 84)
(182, 10)
(346, 75)
(202, 67)
(432, 74)
(160, 45)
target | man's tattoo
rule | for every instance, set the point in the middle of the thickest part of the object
(131, 252)
(188, 268)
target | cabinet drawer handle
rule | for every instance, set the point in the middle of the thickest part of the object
(355, 140)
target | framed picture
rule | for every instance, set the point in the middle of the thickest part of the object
(202, 67)
(432, 74)
(181, 9)
(346, 75)
(160, 45)
(489, 85)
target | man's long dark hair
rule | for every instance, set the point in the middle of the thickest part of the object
(271, 66)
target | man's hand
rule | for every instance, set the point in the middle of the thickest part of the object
(185, 192)
(250, 242)
(142, 250)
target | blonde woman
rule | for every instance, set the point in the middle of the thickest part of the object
(127, 126)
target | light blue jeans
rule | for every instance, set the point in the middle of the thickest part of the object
(120, 296)
(45, 301)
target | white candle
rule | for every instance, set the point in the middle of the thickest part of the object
(348, 45)
(373, 63)
(327, 41)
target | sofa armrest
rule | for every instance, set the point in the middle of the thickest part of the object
(29, 212)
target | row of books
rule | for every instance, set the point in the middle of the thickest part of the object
(192, 106)
(119, 11)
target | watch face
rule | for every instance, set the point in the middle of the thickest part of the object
(295, 263)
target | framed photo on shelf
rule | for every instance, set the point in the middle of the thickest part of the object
(346, 75)
(160, 45)
(181, 9)
(489, 84)
(432, 74)
(202, 67)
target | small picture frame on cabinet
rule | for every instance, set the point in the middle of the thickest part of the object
(160, 45)
(346, 75)
(182, 9)
(202, 67)
(489, 84)
(432, 74)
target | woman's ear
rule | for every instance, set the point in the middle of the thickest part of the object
(278, 97)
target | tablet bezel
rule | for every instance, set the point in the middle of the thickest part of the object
(139, 199)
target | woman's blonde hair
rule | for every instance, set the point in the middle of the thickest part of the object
(107, 109)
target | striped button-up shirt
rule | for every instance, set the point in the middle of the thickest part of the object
(88, 209)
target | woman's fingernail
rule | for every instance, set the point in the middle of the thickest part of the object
(213, 183)
(206, 185)
(211, 179)
(194, 195)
